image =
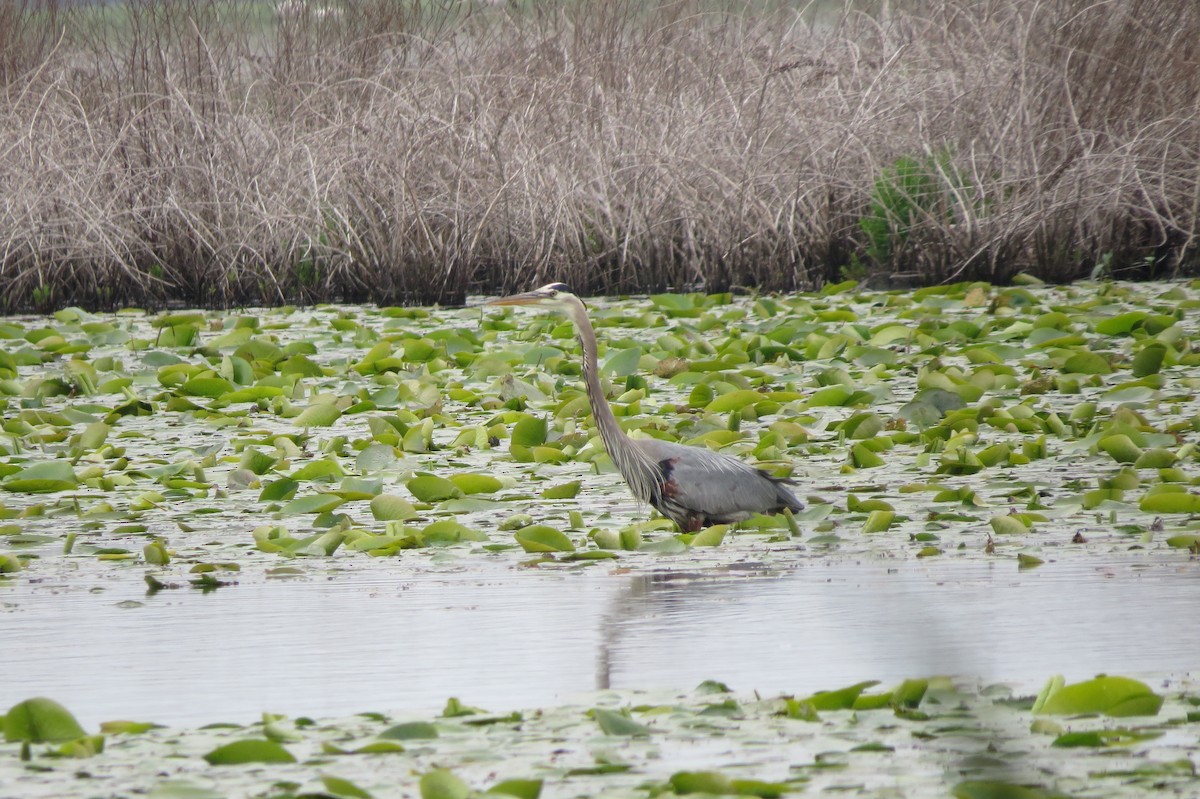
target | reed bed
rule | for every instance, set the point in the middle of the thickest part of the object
(162, 152)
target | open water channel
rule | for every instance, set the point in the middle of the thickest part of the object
(506, 638)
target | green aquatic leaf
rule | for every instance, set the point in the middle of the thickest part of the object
(1120, 448)
(42, 478)
(411, 731)
(40, 720)
(1170, 502)
(251, 394)
(992, 789)
(890, 334)
(840, 699)
(211, 387)
(321, 414)
(1099, 738)
(863, 457)
(94, 436)
(312, 503)
(542, 538)
(155, 553)
(1149, 360)
(443, 784)
(878, 521)
(856, 505)
(563, 491)
(375, 457)
(521, 789)
(1110, 695)
(830, 396)
(1008, 525)
(1156, 458)
(182, 789)
(357, 488)
(279, 490)
(1087, 363)
(529, 431)
(342, 787)
(710, 536)
(471, 483)
(249, 751)
(862, 426)
(706, 782)
(388, 507)
(127, 727)
(1121, 324)
(324, 469)
(734, 401)
(431, 488)
(624, 362)
(614, 722)
(450, 531)
(1027, 561)
(762, 789)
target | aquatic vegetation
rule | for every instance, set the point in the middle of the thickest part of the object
(921, 738)
(1022, 426)
(944, 422)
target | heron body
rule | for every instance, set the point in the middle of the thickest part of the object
(691, 486)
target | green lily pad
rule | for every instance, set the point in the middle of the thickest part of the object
(312, 503)
(1149, 360)
(249, 751)
(411, 731)
(388, 507)
(840, 699)
(624, 362)
(991, 789)
(443, 784)
(431, 488)
(1087, 363)
(42, 478)
(542, 538)
(1112, 696)
(206, 387)
(477, 483)
(342, 787)
(878, 521)
(563, 491)
(1170, 503)
(40, 719)
(614, 722)
(1121, 324)
(318, 415)
(529, 431)
(520, 789)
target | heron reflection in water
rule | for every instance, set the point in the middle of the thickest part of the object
(691, 486)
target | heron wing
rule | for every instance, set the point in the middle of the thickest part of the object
(717, 485)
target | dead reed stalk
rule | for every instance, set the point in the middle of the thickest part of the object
(220, 153)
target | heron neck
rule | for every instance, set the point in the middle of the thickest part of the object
(606, 421)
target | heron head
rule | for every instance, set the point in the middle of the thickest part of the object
(551, 295)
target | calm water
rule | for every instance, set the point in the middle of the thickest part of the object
(515, 639)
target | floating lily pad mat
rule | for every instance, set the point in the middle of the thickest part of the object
(964, 421)
(1109, 736)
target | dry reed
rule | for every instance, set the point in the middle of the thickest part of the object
(219, 153)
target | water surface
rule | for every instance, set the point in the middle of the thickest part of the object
(506, 639)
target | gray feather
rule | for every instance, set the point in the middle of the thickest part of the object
(718, 486)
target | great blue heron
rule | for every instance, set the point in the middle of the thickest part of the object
(691, 486)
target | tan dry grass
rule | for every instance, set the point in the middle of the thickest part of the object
(207, 154)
